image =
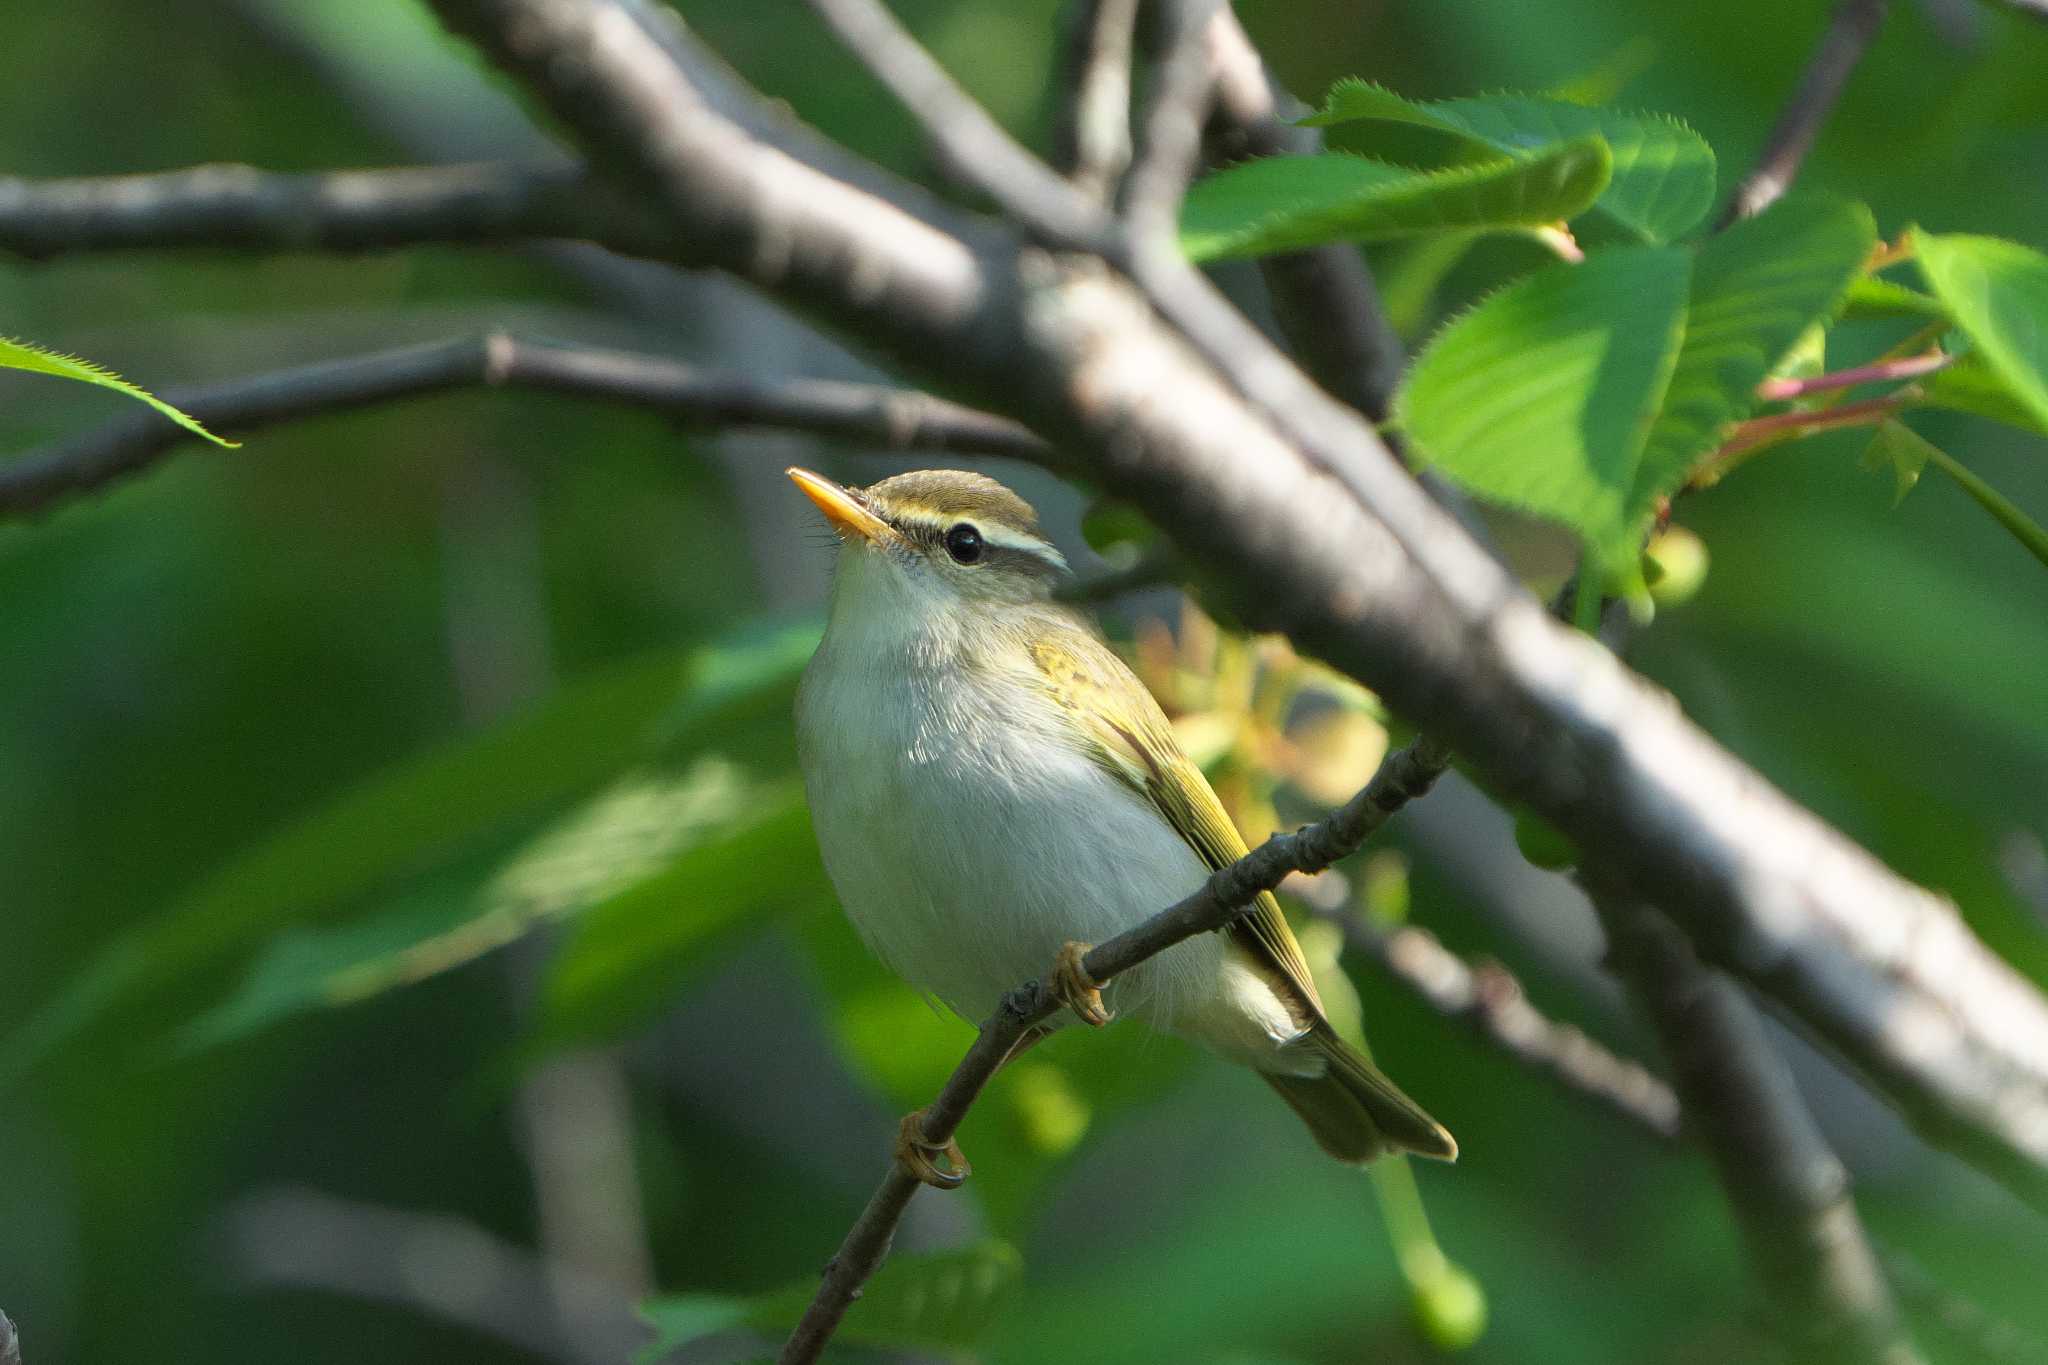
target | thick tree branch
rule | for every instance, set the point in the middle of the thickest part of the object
(1789, 1191)
(1182, 87)
(1849, 33)
(1402, 776)
(1382, 584)
(895, 419)
(242, 208)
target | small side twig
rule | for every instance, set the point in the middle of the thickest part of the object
(10, 1342)
(1849, 33)
(1788, 1190)
(1172, 147)
(1402, 776)
(898, 419)
(973, 148)
(1486, 996)
(1094, 136)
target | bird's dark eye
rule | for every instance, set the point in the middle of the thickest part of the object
(963, 542)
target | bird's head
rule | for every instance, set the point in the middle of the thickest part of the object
(949, 531)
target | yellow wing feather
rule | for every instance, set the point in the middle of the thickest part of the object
(1132, 739)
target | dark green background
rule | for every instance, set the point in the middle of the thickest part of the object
(192, 662)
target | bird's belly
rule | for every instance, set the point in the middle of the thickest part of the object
(966, 860)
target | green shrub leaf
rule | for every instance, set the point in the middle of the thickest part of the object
(1997, 292)
(19, 355)
(1662, 180)
(472, 805)
(1758, 291)
(1540, 398)
(1286, 203)
(943, 1303)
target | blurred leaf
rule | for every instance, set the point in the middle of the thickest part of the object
(1906, 451)
(1117, 530)
(626, 955)
(1541, 396)
(1409, 279)
(1997, 291)
(1757, 289)
(1969, 385)
(941, 1303)
(1662, 179)
(1287, 203)
(1609, 76)
(1871, 296)
(636, 840)
(19, 355)
(424, 813)
(1900, 449)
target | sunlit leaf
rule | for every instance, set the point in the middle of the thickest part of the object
(1997, 292)
(1872, 296)
(19, 355)
(1541, 397)
(1757, 289)
(942, 1303)
(1286, 203)
(1662, 180)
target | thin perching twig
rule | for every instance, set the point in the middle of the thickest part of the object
(1789, 1191)
(870, 414)
(1402, 776)
(1849, 33)
(1094, 136)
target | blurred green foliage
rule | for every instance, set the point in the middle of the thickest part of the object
(348, 709)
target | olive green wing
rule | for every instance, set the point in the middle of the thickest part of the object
(1130, 737)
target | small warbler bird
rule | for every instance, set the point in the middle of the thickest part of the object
(994, 791)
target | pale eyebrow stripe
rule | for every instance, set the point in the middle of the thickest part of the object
(994, 535)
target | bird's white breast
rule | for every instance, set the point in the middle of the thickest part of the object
(967, 833)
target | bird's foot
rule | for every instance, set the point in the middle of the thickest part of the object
(1077, 990)
(921, 1158)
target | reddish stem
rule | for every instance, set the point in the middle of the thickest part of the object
(1776, 390)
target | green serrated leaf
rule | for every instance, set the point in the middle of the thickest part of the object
(1997, 292)
(1541, 397)
(942, 1303)
(1287, 203)
(20, 355)
(1757, 289)
(1662, 179)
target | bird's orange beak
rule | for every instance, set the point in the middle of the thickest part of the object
(845, 508)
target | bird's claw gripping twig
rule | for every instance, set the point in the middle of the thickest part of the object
(1077, 990)
(921, 1157)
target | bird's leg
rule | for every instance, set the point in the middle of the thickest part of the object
(921, 1157)
(1077, 990)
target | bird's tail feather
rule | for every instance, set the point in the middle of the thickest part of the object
(1354, 1111)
